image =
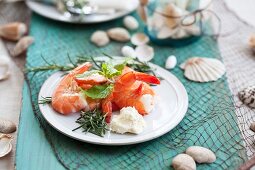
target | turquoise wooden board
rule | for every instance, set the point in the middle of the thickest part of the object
(33, 150)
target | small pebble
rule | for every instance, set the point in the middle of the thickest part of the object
(201, 154)
(119, 34)
(170, 62)
(100, 38)
(130, 23)
(183, 162)
(128, 51)
(252, 126)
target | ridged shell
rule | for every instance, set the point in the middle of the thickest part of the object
(119, 34)
(139, 39)
(144, 53)
(203, 69)
(22, 45)
(7, 126)
(247, 96)
(5, 144)
(13, 31)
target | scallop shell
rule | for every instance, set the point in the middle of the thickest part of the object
(170, 62)
(7, 126)
(5, 144)
(203, 69)
(119, 34)
(139, 39)
(100, 38)
(13, 31)
(130, 23)
(247, 96)
(22, 45)
(4, 69)
(128, 51)
(144, 53)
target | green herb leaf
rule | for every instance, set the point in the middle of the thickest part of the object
(99, 91)
(87, 73)
(92, 121)
(109, 71)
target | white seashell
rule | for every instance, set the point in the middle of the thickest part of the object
(166, 32)
(139, 39)
(119, 34)
(4, 69)
(247, 96)
(170, 62)
(128, 51)
(130, 23)
(5, 144)
(174, 14)
(100, 38)
(13, 31)
(183, 162)
(7, 126)
(180, 33)
(22, 45)
(144, 53)
(201, 154)
(203, 69)
(156, 21)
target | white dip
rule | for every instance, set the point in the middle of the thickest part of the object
(129, 120)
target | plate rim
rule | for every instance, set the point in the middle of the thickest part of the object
(166, 129)
(29, 3)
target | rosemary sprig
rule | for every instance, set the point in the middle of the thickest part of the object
(93, 122)
(45, 100)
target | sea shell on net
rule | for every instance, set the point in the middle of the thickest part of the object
(139, 39)
(128, 51)
(4, 68)
(144, 53)
(119, 34)
(13, 31)
(100, 38)
(201, 69)
(5, 144)
(247, 96)
(22, 45)
(7, 126)
(130, 23)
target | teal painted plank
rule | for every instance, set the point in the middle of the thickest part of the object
(33, 150)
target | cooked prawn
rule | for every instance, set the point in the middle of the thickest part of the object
(131, 89)
(68, 98)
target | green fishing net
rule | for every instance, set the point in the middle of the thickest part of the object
(210, 120)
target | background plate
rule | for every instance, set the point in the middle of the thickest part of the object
(170, 109)
(49, 11)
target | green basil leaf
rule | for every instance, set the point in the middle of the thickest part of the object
(109, 71)
(99, 91)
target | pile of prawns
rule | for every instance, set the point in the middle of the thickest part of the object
(128, 88)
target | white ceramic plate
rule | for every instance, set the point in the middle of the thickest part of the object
(49, 11)
(169, 111)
